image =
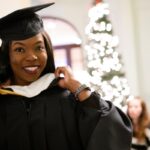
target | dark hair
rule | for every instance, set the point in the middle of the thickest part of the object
(5, 69)
(50, 66)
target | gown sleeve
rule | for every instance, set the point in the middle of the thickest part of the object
(102, 125)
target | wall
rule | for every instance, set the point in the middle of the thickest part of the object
(8, 6)
(123, 23)
(132, 20)
(142, 23)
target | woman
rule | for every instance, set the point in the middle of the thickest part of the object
(40, 109)
(138, 113)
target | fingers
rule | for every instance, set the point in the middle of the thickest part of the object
(68, 81)
(58, 71)
(63, 71)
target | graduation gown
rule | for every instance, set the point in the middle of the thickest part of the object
(55, 120)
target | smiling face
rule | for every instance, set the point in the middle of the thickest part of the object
(28, 59)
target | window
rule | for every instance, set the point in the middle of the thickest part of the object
(66, 42)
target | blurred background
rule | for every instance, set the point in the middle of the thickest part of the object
(67, 22)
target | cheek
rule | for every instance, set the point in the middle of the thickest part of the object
(14, 61)
(44, 58)
(135, 113)
(139, 111)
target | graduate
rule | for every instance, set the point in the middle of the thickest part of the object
(40, 109)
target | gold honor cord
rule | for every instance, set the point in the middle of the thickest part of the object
(7, 92)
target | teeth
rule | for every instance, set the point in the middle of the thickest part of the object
(31, 68)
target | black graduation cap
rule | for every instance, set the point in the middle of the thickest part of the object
(22, 23)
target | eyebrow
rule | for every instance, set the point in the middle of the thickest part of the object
(21, 43)
(15, 43)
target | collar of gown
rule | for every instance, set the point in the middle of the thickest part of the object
(32, 89)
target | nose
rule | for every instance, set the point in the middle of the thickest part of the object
(31, 56)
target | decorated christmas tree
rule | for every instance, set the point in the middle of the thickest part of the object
(103, 61)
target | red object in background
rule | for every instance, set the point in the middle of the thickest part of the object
(98, 1)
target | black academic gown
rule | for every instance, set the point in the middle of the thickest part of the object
(54, 120)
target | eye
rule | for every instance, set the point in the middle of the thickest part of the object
(19, 49)
(40, 48)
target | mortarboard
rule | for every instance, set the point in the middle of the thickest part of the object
(21, 24)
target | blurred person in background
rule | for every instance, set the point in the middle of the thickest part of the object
(139, 116)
